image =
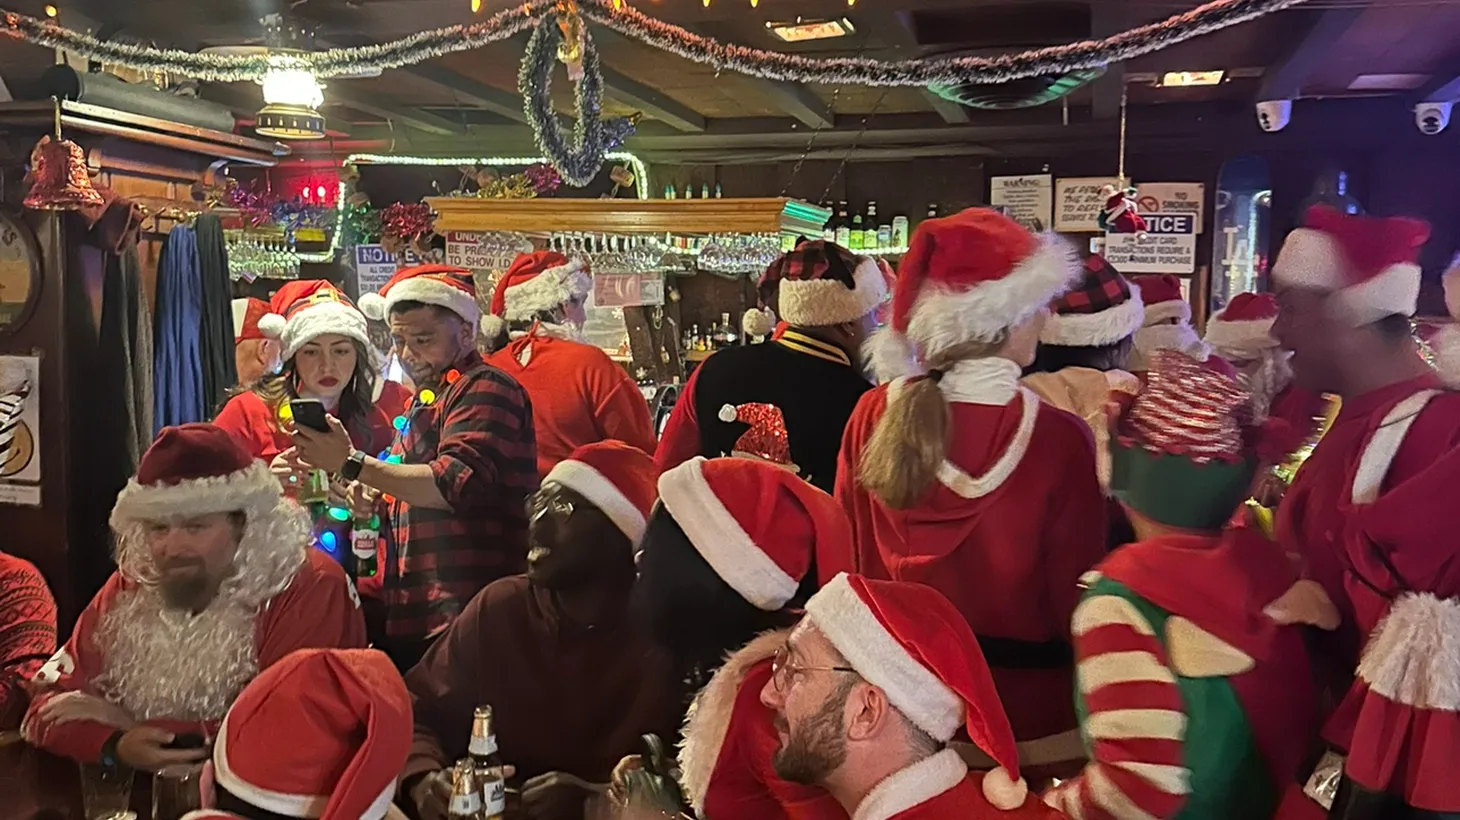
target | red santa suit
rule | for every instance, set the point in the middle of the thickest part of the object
(1362, 515)
(1016, 514)
(579, 395)
(911, 643)
(160, 666)
(1167, 325)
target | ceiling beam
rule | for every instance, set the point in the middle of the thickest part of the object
(952, 113)
(652, 102)
(1284, 79)
(413, 117)
(466, 89)
(898, 28)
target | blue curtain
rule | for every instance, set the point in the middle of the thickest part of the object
(177, 379)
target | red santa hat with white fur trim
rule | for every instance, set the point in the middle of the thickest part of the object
(444, 286)
(617, 478)
(303, 310)
(347, 716)
(535, 282)
(913, 644)
(1370, 265)
(756, 524)
(967, 278)
(1243, 329)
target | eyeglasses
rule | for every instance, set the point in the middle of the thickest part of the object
(782, 669)
(541, 504)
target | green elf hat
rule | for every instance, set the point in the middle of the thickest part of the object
(1179, 456)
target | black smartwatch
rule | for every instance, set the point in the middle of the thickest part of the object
(353, 465)
(109, 759)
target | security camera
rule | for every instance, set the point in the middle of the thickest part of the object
(1432, 117)
(1273, 115)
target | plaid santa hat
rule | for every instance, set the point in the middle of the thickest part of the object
(1243, 329)
(440, 285)
(967, 278)
(819, 284)
(535, 282)
(246, 315)
(617, 478)
(766, 438)
(1370, 265)
(913, 644)
(756, 524)
(1100, 310)
(323, 733)
(303, 310)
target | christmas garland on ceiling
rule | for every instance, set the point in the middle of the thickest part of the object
(755, 62)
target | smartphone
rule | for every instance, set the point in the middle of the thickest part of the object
(186, 740)
(309, 413)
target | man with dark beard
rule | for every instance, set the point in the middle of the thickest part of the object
(215, 581)
(869, 689)
(572, 682)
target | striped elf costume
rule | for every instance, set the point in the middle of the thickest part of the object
(1193, 700)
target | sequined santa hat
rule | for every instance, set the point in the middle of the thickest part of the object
(766, 439)
(1243, 329)
(756, 524)
(444, 286)
(246, 315)
(617, 478)
(912, 643)
(967, 278)
(818, 284)
(347, 716)
(1368, 265)
(534, 282)
(306, 309)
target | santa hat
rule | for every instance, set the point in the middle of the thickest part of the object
(535, 282)
(1163, 299)
(1369, 264)
(1243, 329)
(306, 309)
(822, 284)
(323, 733)
(913, 644)
(755, 524)
(617, 478)
(246, 315)
(192, 470)
(1101, 310)
(440, 285)
(967, 278)
(766, 439)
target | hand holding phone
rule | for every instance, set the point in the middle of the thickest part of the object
(309, 413)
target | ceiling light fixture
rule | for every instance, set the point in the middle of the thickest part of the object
(803, 30)
(292, 97)
(1187, 79)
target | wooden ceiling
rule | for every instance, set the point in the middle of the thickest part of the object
(468, 103)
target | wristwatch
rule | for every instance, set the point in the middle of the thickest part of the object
(109, 760)
(353, 464)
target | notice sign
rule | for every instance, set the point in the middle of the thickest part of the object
(1168, 246)
(1172, 198)
(1077, 203)
(620, 290)
(1027, 199)
(470, 251)
(373, 268)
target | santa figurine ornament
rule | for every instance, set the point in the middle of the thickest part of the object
(1118, 215)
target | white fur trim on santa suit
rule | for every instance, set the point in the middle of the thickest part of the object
(1446, 347)
(1413, 655)
(720, 539)
(1104, 327)
(1165, 311)
(289, 805)
(1379, 453)
(825, 302)
(252, 490)
(427, 291)
(1244, 339)
(913, 786)
(582, 479)
(546, 291)
(944, 318)
(708, 719)
(311, 322)
(1313, 259)
(1152, 338)
(845, 619)
(758, 322)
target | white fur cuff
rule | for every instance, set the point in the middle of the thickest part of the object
(1095, 329)
(824, 302)
(1412, 656)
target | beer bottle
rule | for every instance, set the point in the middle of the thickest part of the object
(364, 537)
(488, 764)
(466, 794)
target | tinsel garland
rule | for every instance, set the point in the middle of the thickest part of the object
(579, 162)
(407, 225)
(361, 224)
(756, 62)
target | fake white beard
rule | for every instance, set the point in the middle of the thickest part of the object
(1180, 336)
(159, 662)
(1264, 378)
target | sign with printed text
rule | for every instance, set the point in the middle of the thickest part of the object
(1167, 246)
(620, 290)
(1077, 203)
(374, 266)
(1172, 198)
(470, 250)
(1026, 199)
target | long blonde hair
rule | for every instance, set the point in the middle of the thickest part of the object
(901, 460)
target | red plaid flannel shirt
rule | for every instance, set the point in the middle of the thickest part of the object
(479, 440)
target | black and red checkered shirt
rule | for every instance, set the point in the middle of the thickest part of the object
(478, 438)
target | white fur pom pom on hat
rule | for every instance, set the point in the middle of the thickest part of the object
(758, 322)
(1001, 791)
(492, 325)
(373, 306)
(272, 325)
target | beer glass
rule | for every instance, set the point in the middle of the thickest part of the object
(106, 792)
(177, 790)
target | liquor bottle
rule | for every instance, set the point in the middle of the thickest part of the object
(717, 190)
(487, 764)
(712, 339)
(869, 228)
(828, 233)
(932, 210)
(466, 794)
(669, 192)
(695, 342)
(856, 235)
(705, 190)
(884, 236)
(364, 538)
(899, 231)
(727, 333)
(843, 225)
(689, 190)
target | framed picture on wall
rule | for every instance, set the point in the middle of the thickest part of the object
(20, 272)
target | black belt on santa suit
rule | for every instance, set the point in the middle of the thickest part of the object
(1012, 653)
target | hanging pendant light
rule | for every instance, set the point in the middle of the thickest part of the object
(292, 97)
